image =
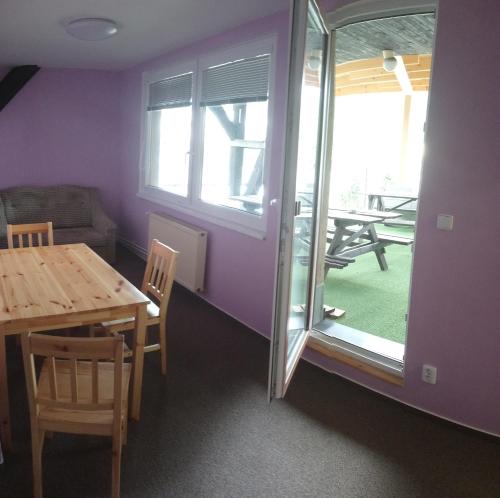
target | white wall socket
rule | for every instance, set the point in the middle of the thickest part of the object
(429, 374)
(445, 222)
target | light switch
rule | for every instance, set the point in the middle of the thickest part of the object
(445, 222)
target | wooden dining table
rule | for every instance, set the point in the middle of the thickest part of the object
(62, 287)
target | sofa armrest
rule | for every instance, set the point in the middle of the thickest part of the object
(105, 225)
(100, 220)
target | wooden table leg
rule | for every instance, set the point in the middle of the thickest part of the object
(5, 432)
(379, 253)
(138, 362)
(335, 243)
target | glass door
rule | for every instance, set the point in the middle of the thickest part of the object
(371, 203)
(303, 167)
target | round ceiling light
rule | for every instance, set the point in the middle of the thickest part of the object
(92, 29)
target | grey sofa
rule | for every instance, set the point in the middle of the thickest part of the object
(76, 214)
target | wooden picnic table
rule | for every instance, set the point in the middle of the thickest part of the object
(60, 287)
(350, 233)
(354, 234)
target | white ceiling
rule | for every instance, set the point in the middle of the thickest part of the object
(31, 31)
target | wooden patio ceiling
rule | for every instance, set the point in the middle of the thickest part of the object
(368, 75)
(358, 55)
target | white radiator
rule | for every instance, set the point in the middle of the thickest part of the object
(190, 241)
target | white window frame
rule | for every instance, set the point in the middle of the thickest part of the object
(147, 191)
(238, 220)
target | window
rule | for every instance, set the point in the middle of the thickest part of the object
(234, 100)
(206, 137)
(169, 117)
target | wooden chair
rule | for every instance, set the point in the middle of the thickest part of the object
(76, 393)
(29, 230)
(38, 229)
(157, 283)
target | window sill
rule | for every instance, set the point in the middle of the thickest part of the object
(387, 369)
(159, 199)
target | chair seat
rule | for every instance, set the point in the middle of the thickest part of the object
(81, 421)
(153, 312)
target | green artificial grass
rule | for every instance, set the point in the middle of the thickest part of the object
(375, 301)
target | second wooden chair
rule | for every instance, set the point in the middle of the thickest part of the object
(28, 231)
(157, 283)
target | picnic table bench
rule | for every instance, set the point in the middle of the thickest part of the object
(395, 239)
(377, 200)
(397, 202)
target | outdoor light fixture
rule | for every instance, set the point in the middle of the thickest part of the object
(314, 59)
(390, 62)
(91, 29)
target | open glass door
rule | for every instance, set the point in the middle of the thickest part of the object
(303, 166)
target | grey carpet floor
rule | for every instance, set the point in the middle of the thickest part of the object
(207, 430)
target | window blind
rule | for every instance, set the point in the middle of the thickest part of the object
(241, 81)
(171, 92)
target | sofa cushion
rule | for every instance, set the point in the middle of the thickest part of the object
(66, 206)
(87, 235)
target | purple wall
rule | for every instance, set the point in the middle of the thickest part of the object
(453, 320)
(240, 269)
(62, 127)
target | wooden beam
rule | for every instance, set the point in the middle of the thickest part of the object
(236, 153)
(373, 88)
(361, 77)
(404, 137)
(229, 127)
(402, 76)
(13, 81)
(256, 178)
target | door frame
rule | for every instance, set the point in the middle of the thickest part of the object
(365, 10)
(359, 11)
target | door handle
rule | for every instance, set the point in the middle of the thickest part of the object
(298, 206)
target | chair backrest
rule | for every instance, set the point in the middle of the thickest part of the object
(83, 393)
(38, 229)
(160, 273)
